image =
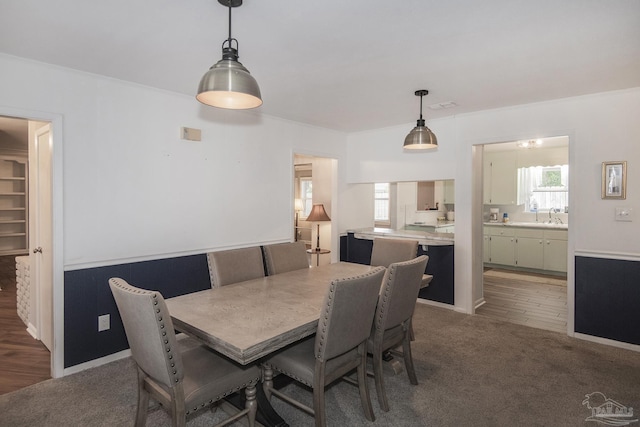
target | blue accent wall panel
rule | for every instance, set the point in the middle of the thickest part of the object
(608, 298)
(87, 296)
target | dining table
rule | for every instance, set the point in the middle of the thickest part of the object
(249, 320)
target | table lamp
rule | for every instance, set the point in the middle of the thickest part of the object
(318, 214)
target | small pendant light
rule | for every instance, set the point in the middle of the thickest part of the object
(421, 137)
(228, 84)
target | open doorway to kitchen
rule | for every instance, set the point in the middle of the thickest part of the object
(525, 232)
(314, 184)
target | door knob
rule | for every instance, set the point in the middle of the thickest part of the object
(38, 249)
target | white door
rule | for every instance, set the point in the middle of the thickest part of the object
(41, 237)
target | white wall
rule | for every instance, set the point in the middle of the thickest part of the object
(600, 127)
(134, 190)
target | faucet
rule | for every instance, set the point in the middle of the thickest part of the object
(550, 210)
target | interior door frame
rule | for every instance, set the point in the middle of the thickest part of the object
(56, 123)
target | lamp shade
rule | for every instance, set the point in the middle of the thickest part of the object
(420, 138)
(318, 213)
(228, 84)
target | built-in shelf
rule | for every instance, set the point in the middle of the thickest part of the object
(14, 211)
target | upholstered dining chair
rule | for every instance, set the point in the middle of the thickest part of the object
(392, 322)
(235, 265)
(338, 347)
(387, 251)
(182, 383)
(283, 257)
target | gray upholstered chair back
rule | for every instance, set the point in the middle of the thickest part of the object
(387, 251)
(347, 314)
(399, 293)
(235, 265)
(283, 257)
(149, 330)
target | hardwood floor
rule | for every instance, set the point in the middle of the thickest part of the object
(528, 299)
(25, 361)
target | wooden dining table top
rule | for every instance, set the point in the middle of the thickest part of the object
(249, 320)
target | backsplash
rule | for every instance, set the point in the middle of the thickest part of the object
(517, 215)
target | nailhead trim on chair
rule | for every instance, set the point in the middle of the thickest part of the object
(225, 394)
(326, 310)
(168, 349)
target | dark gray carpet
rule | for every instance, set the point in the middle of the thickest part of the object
(473, 371)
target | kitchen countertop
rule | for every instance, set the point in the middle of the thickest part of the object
(529, 225)
(436, 225)
(423, 237)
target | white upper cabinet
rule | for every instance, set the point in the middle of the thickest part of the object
(500, 178)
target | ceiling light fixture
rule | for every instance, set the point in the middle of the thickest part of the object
(228, 84)
(421, 137)
(530, 144)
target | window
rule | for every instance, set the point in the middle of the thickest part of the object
(306, 195)
(543, 187)
(381, 206)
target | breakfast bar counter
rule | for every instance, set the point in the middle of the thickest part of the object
(357, 245)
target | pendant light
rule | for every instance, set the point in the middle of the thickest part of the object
(421, 137)
(228, 84)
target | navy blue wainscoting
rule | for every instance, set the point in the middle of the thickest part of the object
(87, 296)
(608, 298)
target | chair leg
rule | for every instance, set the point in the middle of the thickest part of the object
(251, 404)
(143, 401)
(408, 359)
(178, 410)
(379, 380)
(365, 399)
(267, 380)
(318, 395)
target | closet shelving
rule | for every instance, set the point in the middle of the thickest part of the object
(14, 196)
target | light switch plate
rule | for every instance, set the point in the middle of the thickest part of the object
(624, 214)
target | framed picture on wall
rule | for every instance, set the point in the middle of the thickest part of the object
(614, 180)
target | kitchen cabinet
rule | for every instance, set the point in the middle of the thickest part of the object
(555, 250)
(500, 178)
(14, 237)
(449, 192)
(446, 229)
(486, 247)
(529, 248)
(502, 244)
(525, 247)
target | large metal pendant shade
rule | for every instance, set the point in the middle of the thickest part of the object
(421, 137)
(228, 84)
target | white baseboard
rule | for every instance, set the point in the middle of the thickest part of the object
(480, 303)
(436, 304)
(606, 341)
(96, 362)
(32, 331)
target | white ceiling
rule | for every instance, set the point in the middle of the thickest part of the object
(348, 65)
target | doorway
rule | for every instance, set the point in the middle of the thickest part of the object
(314, 182)
(20, 297)
(29, 137)
(525, 232)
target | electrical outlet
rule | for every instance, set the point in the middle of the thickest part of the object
(104, 322)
